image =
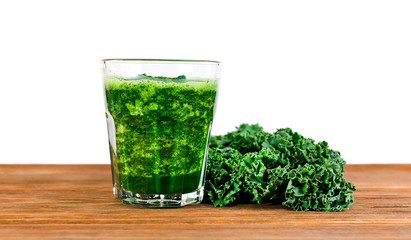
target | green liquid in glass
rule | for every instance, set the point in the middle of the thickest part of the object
(161, 132)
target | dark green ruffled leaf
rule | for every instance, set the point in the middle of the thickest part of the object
(250, 165)
(255, 170)
(223, 180)
(247, 138)
(316, 187)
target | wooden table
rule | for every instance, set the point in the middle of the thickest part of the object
(76, 201)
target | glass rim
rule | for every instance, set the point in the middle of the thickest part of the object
(158, 60)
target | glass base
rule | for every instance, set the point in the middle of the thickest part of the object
(168, 200)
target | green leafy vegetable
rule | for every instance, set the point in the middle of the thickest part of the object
(250, 165)
(225, 184)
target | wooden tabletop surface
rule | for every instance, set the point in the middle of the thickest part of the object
(76, 201)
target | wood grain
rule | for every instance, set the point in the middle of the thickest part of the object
(76, 201)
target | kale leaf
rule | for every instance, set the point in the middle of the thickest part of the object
(224, 186)
(250, 165)
(247, 138)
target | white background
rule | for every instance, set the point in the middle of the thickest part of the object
(332, 70)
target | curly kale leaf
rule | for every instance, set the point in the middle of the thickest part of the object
(247, 138)
(299, 150)
(223, 180)
(316, 187)
(255, 168)
(250, 165)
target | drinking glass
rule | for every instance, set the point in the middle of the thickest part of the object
(159, 115)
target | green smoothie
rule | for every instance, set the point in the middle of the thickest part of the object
(161, 131)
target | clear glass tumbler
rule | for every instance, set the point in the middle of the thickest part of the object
(159, 116)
